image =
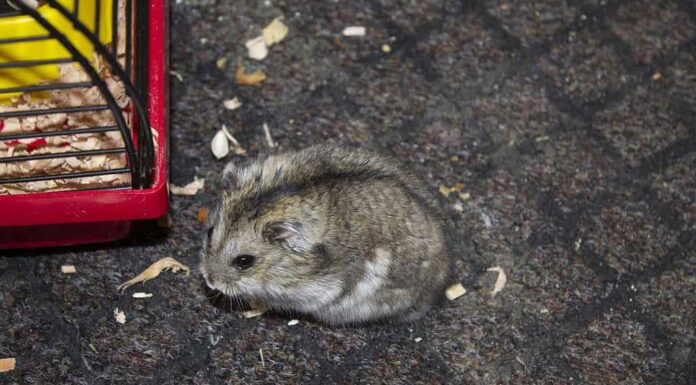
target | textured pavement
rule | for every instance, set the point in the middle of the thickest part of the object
(571, 125)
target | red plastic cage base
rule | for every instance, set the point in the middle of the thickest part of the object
(62, 235)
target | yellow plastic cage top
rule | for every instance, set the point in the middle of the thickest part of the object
(23, 45)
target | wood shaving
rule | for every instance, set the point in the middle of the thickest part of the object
(202, 214)
(444, 190)
(267, 134)
(154, 270)
(257, 48)
(274, 32)
(177, 75)
(140, 294)
(263, 363)
(119, 316)
(465, 196)
(455, 291)
(238, 149)
(293, 322)
(221, 63)
(253, 313)
(542, 139)
(418, 339)
(68, 269)
(248, 79)
(458, 187)
(190, 189)
(353, 31)
(219, 145)
(500, 281)
(232, 104)
(7, 364)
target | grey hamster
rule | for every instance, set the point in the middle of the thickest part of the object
(341, 234)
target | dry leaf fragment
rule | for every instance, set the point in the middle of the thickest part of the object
(202, 214)
(154, 270)
(119, 316)
(257, 48)
(219, 145)
(7, 364)
(190, 189)
(500, 281)
(455, 291)
(355, 30)
(232, 104)
(274, 32)
(248, 79)
(68, 269)
(140, 294)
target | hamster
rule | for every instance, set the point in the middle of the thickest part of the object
(341, 234)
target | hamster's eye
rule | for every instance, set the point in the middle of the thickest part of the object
(244, 261)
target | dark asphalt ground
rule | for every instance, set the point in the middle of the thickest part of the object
(570, 124)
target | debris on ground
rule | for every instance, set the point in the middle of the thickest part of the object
(219, 145)
(7, 364)
(353, 31)
(154, 270)
(293, 322)
(256, 48)
(190, 189)
(232, 104)
(500, 281)
(141, 294)
(275, 32)
(418, 339)
(267, 134)
(455, 291)
(119, 316)
(657, 76)
(543, 138)
(253, 313)
(202, 214)
(177, 75)
(464, 196)
(386, 48)
(221, 63)
(243, 78)
(68, 269)
(238, 149)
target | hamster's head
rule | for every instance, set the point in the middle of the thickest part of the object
(260, 245)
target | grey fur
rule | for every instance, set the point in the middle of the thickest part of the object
(342, 234)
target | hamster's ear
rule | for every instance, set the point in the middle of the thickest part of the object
(230, 179)
(290, 234)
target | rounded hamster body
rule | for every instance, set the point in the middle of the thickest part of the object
(341, 234)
